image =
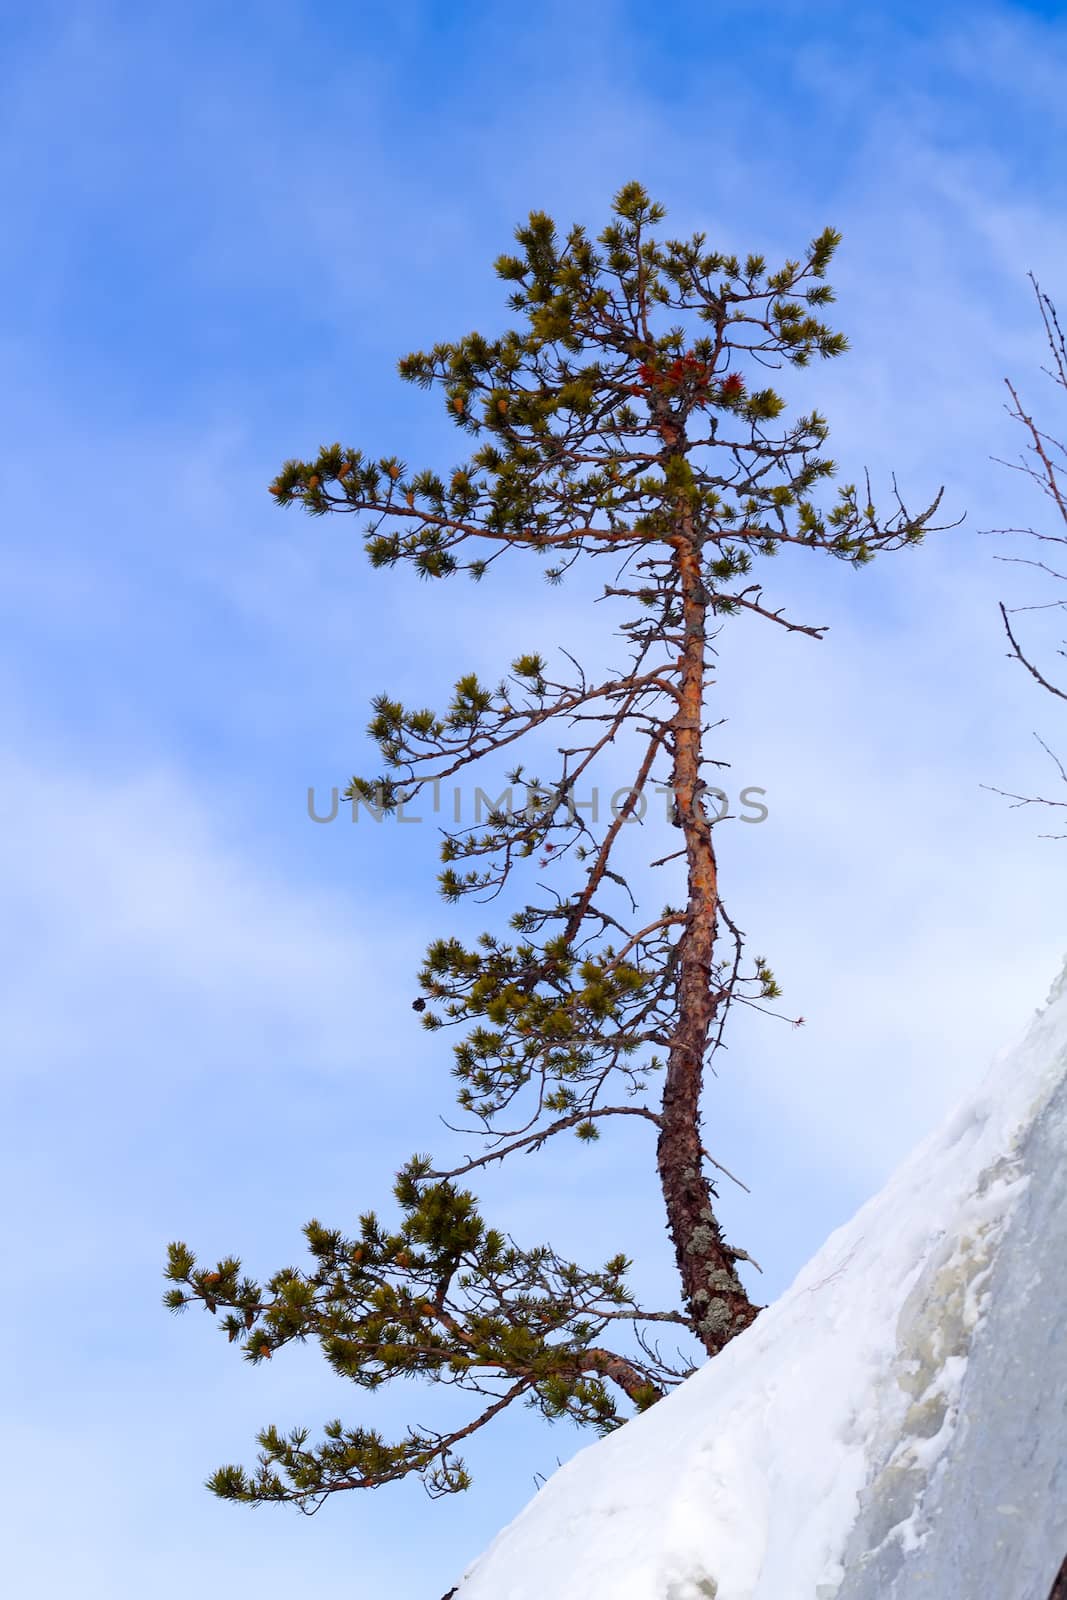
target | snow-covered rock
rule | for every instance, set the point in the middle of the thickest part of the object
(894, 1426)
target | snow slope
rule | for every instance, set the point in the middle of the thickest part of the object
(897, 1414)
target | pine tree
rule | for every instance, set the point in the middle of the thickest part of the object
(621, 419)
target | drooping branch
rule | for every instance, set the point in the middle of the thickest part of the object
(442, 1297)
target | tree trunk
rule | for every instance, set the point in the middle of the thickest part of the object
(713, 1293)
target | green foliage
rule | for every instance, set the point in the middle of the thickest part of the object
(561, 408)
(442, 1297)
(623, 416)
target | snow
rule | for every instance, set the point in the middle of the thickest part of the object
(812, 1458)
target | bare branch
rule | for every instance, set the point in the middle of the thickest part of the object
(1027, 663)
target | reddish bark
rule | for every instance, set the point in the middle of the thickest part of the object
(714, 1295)
(617, 1368)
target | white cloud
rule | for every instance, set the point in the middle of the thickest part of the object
(135, 909)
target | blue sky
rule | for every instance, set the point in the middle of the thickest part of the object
(223, 225)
